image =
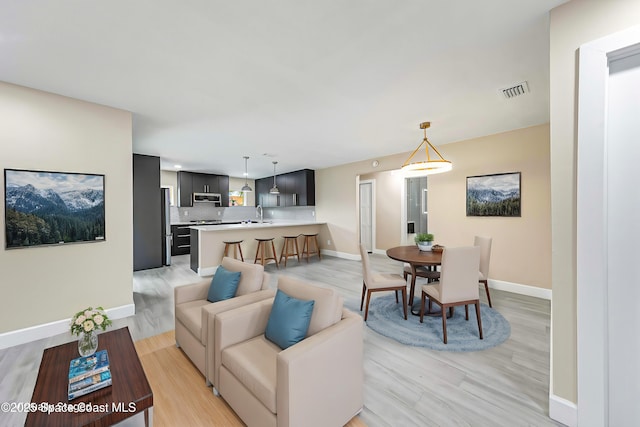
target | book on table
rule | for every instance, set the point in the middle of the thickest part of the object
(88, 374)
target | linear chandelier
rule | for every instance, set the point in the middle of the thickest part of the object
(430, 166)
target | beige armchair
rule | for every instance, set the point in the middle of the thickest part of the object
(192, 311)
(316, 382)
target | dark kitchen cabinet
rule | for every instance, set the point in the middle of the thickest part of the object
(263, 197)
(296, 189)
(185, 189)
(223, 188)
(193, 182)
(205, 183)
(305, 180)
(181, 240)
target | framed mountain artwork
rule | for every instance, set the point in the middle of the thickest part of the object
(494, 195)
(52, 208)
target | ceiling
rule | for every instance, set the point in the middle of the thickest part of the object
(310, 84)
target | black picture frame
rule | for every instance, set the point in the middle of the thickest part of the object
(494, 195)
(45, 208)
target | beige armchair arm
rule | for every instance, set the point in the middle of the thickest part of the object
(209, 313)
(238, 325)
(193, 292)
(320, 379)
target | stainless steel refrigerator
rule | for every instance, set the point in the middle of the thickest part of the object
(167, 237)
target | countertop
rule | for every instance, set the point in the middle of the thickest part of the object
(266, 224)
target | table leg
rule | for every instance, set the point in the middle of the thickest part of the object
(413, 284)
(148, 417)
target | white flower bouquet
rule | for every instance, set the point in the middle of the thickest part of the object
(89, 320)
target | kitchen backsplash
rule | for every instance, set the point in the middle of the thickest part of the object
(240, 213)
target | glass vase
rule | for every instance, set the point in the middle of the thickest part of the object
(87, 343)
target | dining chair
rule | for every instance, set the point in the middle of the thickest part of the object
(458, 285)
(485, 257)
(376, 282)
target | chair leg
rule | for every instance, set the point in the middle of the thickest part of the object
(486, 289)
(423, 298)
(444, 323)
(396, 292)
(275, 254)
(282, 252)
(466, 312)
(364, 288)
(315, 239)
(240, 249)
(404, 302)
(405, 274)
(295, 243)
(255, 260)
(479, 319)
(366, 311)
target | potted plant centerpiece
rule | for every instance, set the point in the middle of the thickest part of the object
(86, 324)
(424, 241)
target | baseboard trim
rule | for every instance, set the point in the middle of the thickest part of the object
(34, 333)
(563, 411)
(343, 255)
(517, 288)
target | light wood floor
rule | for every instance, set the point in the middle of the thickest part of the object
(180, 395)
(404, 386)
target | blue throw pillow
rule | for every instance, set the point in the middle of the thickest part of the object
(289, 320)
(223, 285)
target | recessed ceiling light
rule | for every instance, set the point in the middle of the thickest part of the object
(177, 166)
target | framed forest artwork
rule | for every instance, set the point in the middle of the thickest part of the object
(52, 208)
(494, 195)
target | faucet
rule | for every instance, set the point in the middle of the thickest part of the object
(259, 212)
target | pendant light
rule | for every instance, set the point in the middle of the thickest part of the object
(430, 166)
(274, 189)
(246, 187)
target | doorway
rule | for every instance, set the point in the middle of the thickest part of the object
(416, 207)
(367, 217)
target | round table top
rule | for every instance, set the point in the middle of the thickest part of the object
(415, 256)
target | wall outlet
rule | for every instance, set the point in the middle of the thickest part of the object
(219, 213)
(186, 213)
(329, 242)
(313, 213)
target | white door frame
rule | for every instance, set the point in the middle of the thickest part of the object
(591, 222)
(373, 211)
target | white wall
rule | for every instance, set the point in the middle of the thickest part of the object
(43, 131)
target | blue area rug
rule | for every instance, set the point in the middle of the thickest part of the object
(386, 318)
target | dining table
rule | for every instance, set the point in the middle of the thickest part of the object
(413, 256)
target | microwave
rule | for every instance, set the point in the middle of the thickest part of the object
(214, 198)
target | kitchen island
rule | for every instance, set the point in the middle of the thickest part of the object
(207, 244)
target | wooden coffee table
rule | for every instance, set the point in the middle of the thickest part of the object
(130, 393)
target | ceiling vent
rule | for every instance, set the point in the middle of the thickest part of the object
(515, 90)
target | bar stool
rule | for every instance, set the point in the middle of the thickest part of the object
(260, 252)
(306, 248)
(236, 247)
(290, 244)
